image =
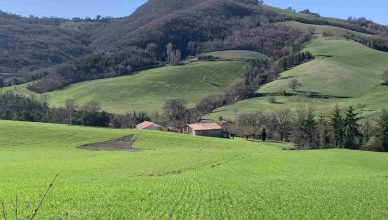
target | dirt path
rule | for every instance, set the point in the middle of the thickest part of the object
(124, 143)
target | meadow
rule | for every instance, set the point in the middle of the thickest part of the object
(242, 55)
(176, 176)
(342, 68)
(148, 90)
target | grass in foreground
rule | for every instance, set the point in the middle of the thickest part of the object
(185, 177)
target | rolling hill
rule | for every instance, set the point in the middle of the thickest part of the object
(342, 68)
(184, 177)
(33, 43)
(191, 49)
(149, 90)
(63, 51)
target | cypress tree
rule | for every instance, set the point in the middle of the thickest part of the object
(337, 125)
(310, 129)
(351, 129)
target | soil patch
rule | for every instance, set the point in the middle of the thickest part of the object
(124, 144)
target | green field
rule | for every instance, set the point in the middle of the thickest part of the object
(342, 68)
(242, 55)
(185, 177)
(148, 90)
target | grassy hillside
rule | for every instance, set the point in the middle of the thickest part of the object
(149, 90)
(342, 68)
(243, 55)
(185, 177)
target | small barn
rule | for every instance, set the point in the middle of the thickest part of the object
(204, 129)
(147, 125)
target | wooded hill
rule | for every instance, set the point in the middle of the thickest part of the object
(68, 51)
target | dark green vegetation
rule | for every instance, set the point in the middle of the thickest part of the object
(185, 177)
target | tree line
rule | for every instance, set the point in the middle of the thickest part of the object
(342, 129)
(20, 108)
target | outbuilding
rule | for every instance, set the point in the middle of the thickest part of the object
(147, 125)
(204, 129)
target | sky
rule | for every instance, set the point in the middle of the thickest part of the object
(376, 10)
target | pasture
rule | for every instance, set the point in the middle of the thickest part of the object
(148, 90)
(242, 55)
(178, 176)
(342, 68)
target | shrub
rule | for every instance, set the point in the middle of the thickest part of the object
(272, 99)
(385, 78)
(374, 144)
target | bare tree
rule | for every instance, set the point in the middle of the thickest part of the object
(70, 109)
(281, 120)
(294, 84)
(169, 52)
(176, 113)
(251, 124)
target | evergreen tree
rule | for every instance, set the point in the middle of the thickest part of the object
(2, 84)
(351, 129)
(324, 133)
(383, 130)
(310, 129)
(306, 132)
(264, 135)
(337, 125)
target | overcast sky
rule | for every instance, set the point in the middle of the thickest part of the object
(376, 10)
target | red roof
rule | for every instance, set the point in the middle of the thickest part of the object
(144, 125)
(204, 126)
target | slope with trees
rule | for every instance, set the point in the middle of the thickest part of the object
(344, 73)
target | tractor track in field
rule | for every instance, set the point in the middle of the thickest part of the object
(195, 167)
(123, 143)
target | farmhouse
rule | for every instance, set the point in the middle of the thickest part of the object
(147, 125)
(210, 129)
